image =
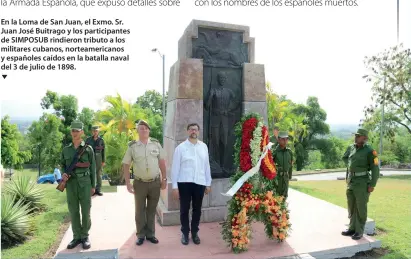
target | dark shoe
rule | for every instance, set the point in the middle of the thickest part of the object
(86, 243)
(152, 240)
(356, 236)
(184, 240)
(140, 241)
(73, 243)
(196, 239)
(98, 193)
(348, 232)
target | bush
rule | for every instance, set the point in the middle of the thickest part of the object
(15, 220)
(26, 191)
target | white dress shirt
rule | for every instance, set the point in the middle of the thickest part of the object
(191, 164)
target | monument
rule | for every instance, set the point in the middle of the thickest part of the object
(213, 83)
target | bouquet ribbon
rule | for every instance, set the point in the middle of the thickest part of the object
(249, 173)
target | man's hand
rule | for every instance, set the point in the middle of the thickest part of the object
(163, 184)
(102, 164)
(130, 188)
(93, 190)
(370, 189)
(65, 177)
(176, 195)
(207, 190)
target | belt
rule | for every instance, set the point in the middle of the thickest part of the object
(283, 173)
(147, 180)
(358, 173)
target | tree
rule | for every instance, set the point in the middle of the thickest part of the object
(46, 141)
(152, 100)
(65, 107)
(86, 116)
(393, 67)
(11, 155)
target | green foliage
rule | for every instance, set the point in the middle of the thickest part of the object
(86, 116)
(15, 220)
(24, 189)
(11, 155)
(393, 67)
(46, 141)
(153, 101)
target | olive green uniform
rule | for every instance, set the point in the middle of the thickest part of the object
(274, 140)
(147, 183)
(98, 146)
(359, 161)
(283, 159)
(79, 186)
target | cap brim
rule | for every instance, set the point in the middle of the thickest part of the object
(77, 129)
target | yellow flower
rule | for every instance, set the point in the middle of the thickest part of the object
(282, 236)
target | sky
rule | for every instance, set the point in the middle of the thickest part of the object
(306, 51)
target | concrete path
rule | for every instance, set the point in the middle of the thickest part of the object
(334, 176)
(316, 227)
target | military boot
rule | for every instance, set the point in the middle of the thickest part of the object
(73, 243)
(86, 243)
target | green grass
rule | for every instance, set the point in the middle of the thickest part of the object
(48, 226)
(389, 206)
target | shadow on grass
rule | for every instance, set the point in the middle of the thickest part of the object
(398, 177)
(378, 253)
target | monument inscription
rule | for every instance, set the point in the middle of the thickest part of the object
(223, 53)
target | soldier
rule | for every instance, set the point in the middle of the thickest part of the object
(148, 160)
(80, 185)
(283, 158)
(97, 143)
(360, 158)
(274, 138)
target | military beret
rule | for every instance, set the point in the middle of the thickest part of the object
(95, 127)
(283, 134)
(362, 132)
(143, 122)
(77, 125)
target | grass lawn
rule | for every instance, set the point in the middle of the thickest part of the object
(389, 206)
(49, 226)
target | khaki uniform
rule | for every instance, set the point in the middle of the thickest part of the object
(147, 183)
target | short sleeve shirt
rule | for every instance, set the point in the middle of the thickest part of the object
(145, 158)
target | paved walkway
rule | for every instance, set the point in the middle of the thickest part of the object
(334, 176)
(316, 228)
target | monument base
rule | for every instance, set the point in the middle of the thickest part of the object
(214, 208)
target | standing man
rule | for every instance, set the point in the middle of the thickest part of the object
(97, 143)
(80, 185)
(283, 159)
(274, 138)
(191, 178)
(360, 158)
(148, 160)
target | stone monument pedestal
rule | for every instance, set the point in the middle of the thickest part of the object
(186, 96)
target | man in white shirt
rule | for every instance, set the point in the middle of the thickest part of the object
(191, 178)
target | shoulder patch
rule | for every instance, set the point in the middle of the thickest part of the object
(132, 143)
(153, 139)
(374, 152)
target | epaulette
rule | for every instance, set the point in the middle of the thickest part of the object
(132, 143)
(155, 140)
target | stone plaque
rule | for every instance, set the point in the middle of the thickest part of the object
(223, 53)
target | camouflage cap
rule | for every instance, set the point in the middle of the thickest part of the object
(362, 132)
(283, 134)
(95, 127)
(142, 122)
(77, 125)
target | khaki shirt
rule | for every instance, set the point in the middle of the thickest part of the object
(145, 158)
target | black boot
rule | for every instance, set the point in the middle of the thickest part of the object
(348, 232)
(98, 193)
(73, 243)
(356, 236)
(86, 243)
(140, 241)
(184, 239)
(196, 238)
(153, 240)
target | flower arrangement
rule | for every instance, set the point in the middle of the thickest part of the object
(256, 199)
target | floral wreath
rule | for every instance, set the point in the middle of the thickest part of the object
(256, 199)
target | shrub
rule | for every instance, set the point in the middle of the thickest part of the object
(15, 220)
(26, 191)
